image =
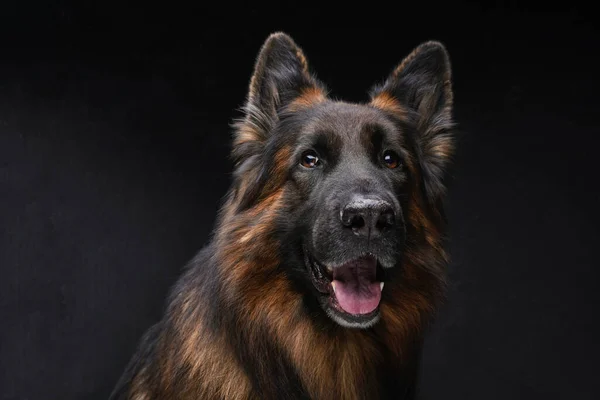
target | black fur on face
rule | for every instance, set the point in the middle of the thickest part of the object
(343, 171)
(348, 206)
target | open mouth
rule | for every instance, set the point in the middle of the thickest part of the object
(352, 290)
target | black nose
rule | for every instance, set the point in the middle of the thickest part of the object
(368, 217)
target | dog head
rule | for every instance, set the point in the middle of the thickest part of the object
(350, 177)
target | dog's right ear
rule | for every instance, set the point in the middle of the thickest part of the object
(281, 81)
(280, 77)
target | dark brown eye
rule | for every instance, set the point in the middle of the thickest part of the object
(391, 159)
(310, 159)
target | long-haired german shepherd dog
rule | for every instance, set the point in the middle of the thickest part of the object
(327, 260)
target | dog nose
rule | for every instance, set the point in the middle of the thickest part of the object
(368, 217)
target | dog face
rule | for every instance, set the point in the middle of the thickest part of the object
(348, 174)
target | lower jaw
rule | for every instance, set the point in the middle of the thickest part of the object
(347, 320)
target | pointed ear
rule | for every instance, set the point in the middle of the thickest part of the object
(419, 90)
(281, 81)
(281, 78)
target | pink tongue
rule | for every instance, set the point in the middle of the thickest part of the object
(357, 297)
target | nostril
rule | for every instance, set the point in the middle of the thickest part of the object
(352, 219)
(386, 219)
(357, 222)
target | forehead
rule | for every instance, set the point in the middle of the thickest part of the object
(350, 121)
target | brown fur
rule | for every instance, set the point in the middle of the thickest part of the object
(387, 102)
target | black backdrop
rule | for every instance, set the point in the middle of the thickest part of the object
(114, 136)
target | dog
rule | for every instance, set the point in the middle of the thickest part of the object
(327, 261)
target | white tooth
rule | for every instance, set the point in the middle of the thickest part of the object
(381, 285)
(333, 286)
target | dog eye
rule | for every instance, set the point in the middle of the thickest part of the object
(391, 159)
(310, 159)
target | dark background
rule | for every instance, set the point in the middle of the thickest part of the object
(114, 137)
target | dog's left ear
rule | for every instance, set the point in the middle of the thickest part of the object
(419, 91)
